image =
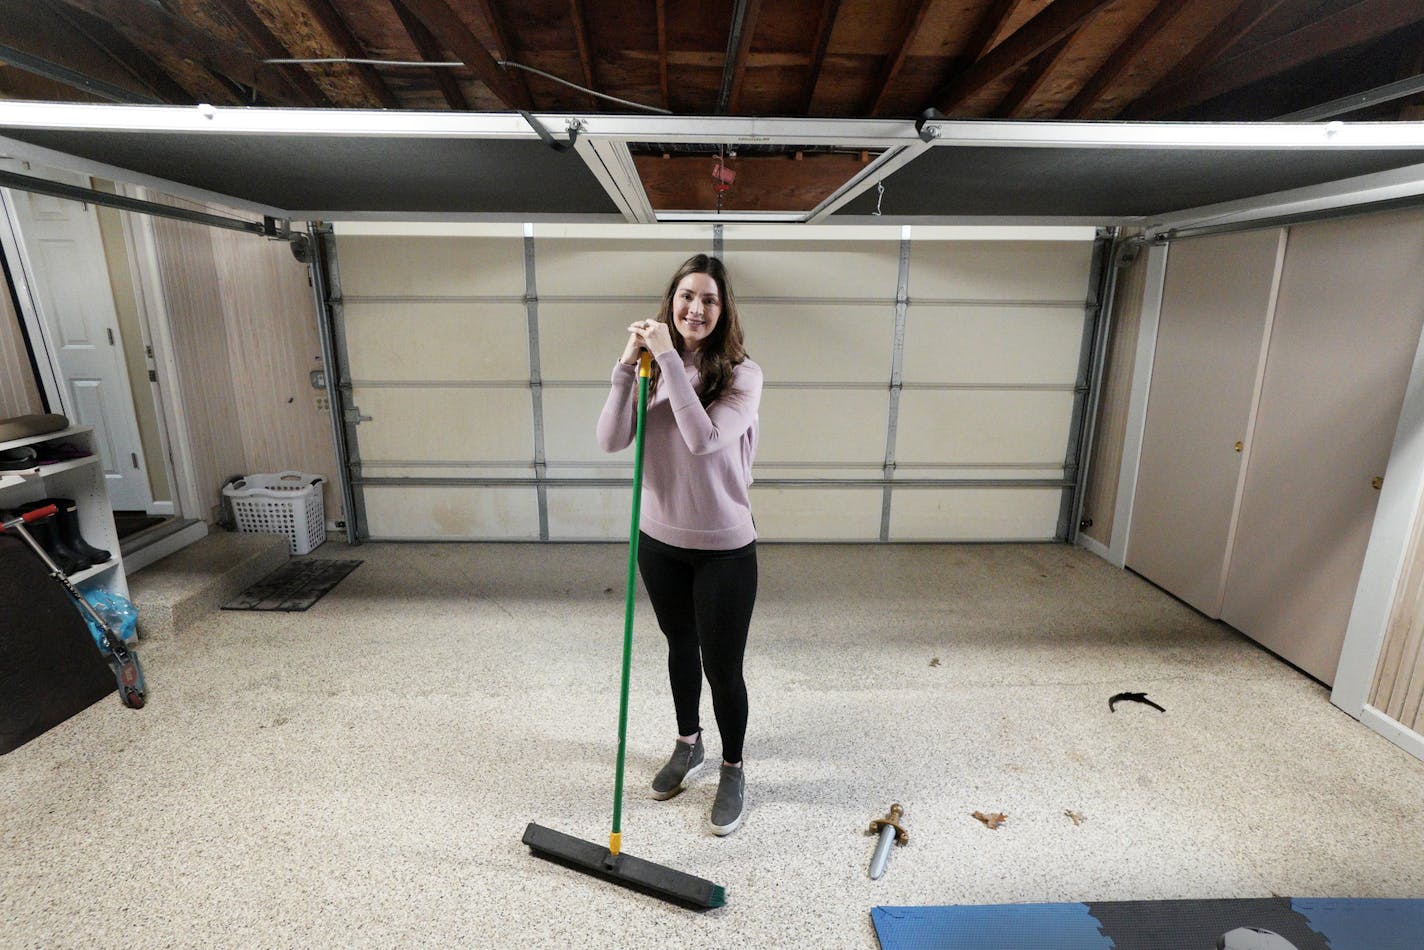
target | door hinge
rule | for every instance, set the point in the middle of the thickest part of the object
(111, 335)
(134, 456)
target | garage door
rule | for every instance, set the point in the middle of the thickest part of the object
(921, 383)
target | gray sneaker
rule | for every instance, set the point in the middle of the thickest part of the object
(730, 804)
(687, 761)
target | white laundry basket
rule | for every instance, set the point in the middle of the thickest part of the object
(287, 503)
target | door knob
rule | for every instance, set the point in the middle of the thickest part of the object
(1377, 482)
(1238, 446)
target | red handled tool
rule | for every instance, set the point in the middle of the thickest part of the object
(122, 660)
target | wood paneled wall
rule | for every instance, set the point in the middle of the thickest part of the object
(19, 396)
(244, 338)
(1398, 690)
(1109, 431)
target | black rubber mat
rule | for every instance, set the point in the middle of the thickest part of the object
(295, 585)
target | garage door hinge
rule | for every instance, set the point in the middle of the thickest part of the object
(354, 417)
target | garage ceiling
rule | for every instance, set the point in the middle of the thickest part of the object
(879, 63)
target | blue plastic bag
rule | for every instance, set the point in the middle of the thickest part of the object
(118, 612)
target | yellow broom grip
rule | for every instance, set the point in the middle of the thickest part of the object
(645, 369)
(615, 842)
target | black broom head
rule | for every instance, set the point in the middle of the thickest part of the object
(654, 879)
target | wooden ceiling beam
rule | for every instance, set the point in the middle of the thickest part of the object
(1117, 62)
(452, 33)
(991, 21)
(900, 48)
(824, 26)
(739, 46)
(126, 56)
(1032, 79)
(152, 28)
(1052, 23)
(1211, 47)
(264, 41)
(662, 52)
(505, 49)
(349, 45)
(585, 56)
(429, 49)
(1356, 24)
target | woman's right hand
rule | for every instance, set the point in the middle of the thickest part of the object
(630, 352)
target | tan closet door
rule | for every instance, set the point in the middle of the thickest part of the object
(1209, 339)
(1346, 328)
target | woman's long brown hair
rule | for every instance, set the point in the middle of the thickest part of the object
(722, 350)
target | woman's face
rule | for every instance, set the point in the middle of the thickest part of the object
(696, 308)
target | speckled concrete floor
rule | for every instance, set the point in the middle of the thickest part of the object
(359, 775)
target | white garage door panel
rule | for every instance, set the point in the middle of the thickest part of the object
(456, 513)
(1004, 345)
(983, 427)
(395, 266)
(800, 514)
(570, 423)
(814, 269)
(590, 513)
(438, 341)
(975, 514)
(580, 341)
(819, 343)
(584, 268)
(378, 469)
(410, 425)
(1000, 270)
(822, 425)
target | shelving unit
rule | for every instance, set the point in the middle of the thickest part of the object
(81, 479)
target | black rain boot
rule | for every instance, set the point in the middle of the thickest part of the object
(69, 530)
(46, 532)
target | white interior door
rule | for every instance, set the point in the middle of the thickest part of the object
(62, 255)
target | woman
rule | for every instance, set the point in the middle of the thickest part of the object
(697, 547)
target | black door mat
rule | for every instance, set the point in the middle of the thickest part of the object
(295, 585)
(132, 522)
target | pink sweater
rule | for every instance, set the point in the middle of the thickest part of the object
(697, 463)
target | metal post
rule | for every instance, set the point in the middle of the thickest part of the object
(1100, 284)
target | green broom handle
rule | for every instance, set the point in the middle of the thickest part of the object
(615, 839)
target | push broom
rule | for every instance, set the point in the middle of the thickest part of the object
(611, 863)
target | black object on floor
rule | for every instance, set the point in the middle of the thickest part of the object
(295, 585)
(49, 667)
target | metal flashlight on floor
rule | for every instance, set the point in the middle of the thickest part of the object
(889, 830)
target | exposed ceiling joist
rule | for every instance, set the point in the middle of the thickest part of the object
(154, 29)
(124, 54)
(739, 44)
(899, 48)
(824, 26)
(429, 47)
(1054, 22)
(304, 89)
(1123, 56)
(347, 43)
(505, 48)
(991, 21)
(1363, 21)
(585, 54)
(455, 36)
(1033, 78)
(662, 53)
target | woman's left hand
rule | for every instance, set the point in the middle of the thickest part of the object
(655, 336)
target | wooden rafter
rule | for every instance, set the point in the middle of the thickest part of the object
(505, 48)
(264, 41)
(1359, 23)
(1236, 26)
(1117, 62)
(127, 57)
(991, 21)
(899, 50)
(347, 43)
(732, 93)
(1054, 22)
(1032, 79)
(662, 52)
(152, 28)
(429, 48)
(452, 33)
(824, 27)
(585, 54)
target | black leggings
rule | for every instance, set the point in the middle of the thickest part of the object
(703, 601)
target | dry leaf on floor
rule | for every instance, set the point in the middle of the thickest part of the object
(934, 661)
(992, 820)
(1077, 817)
